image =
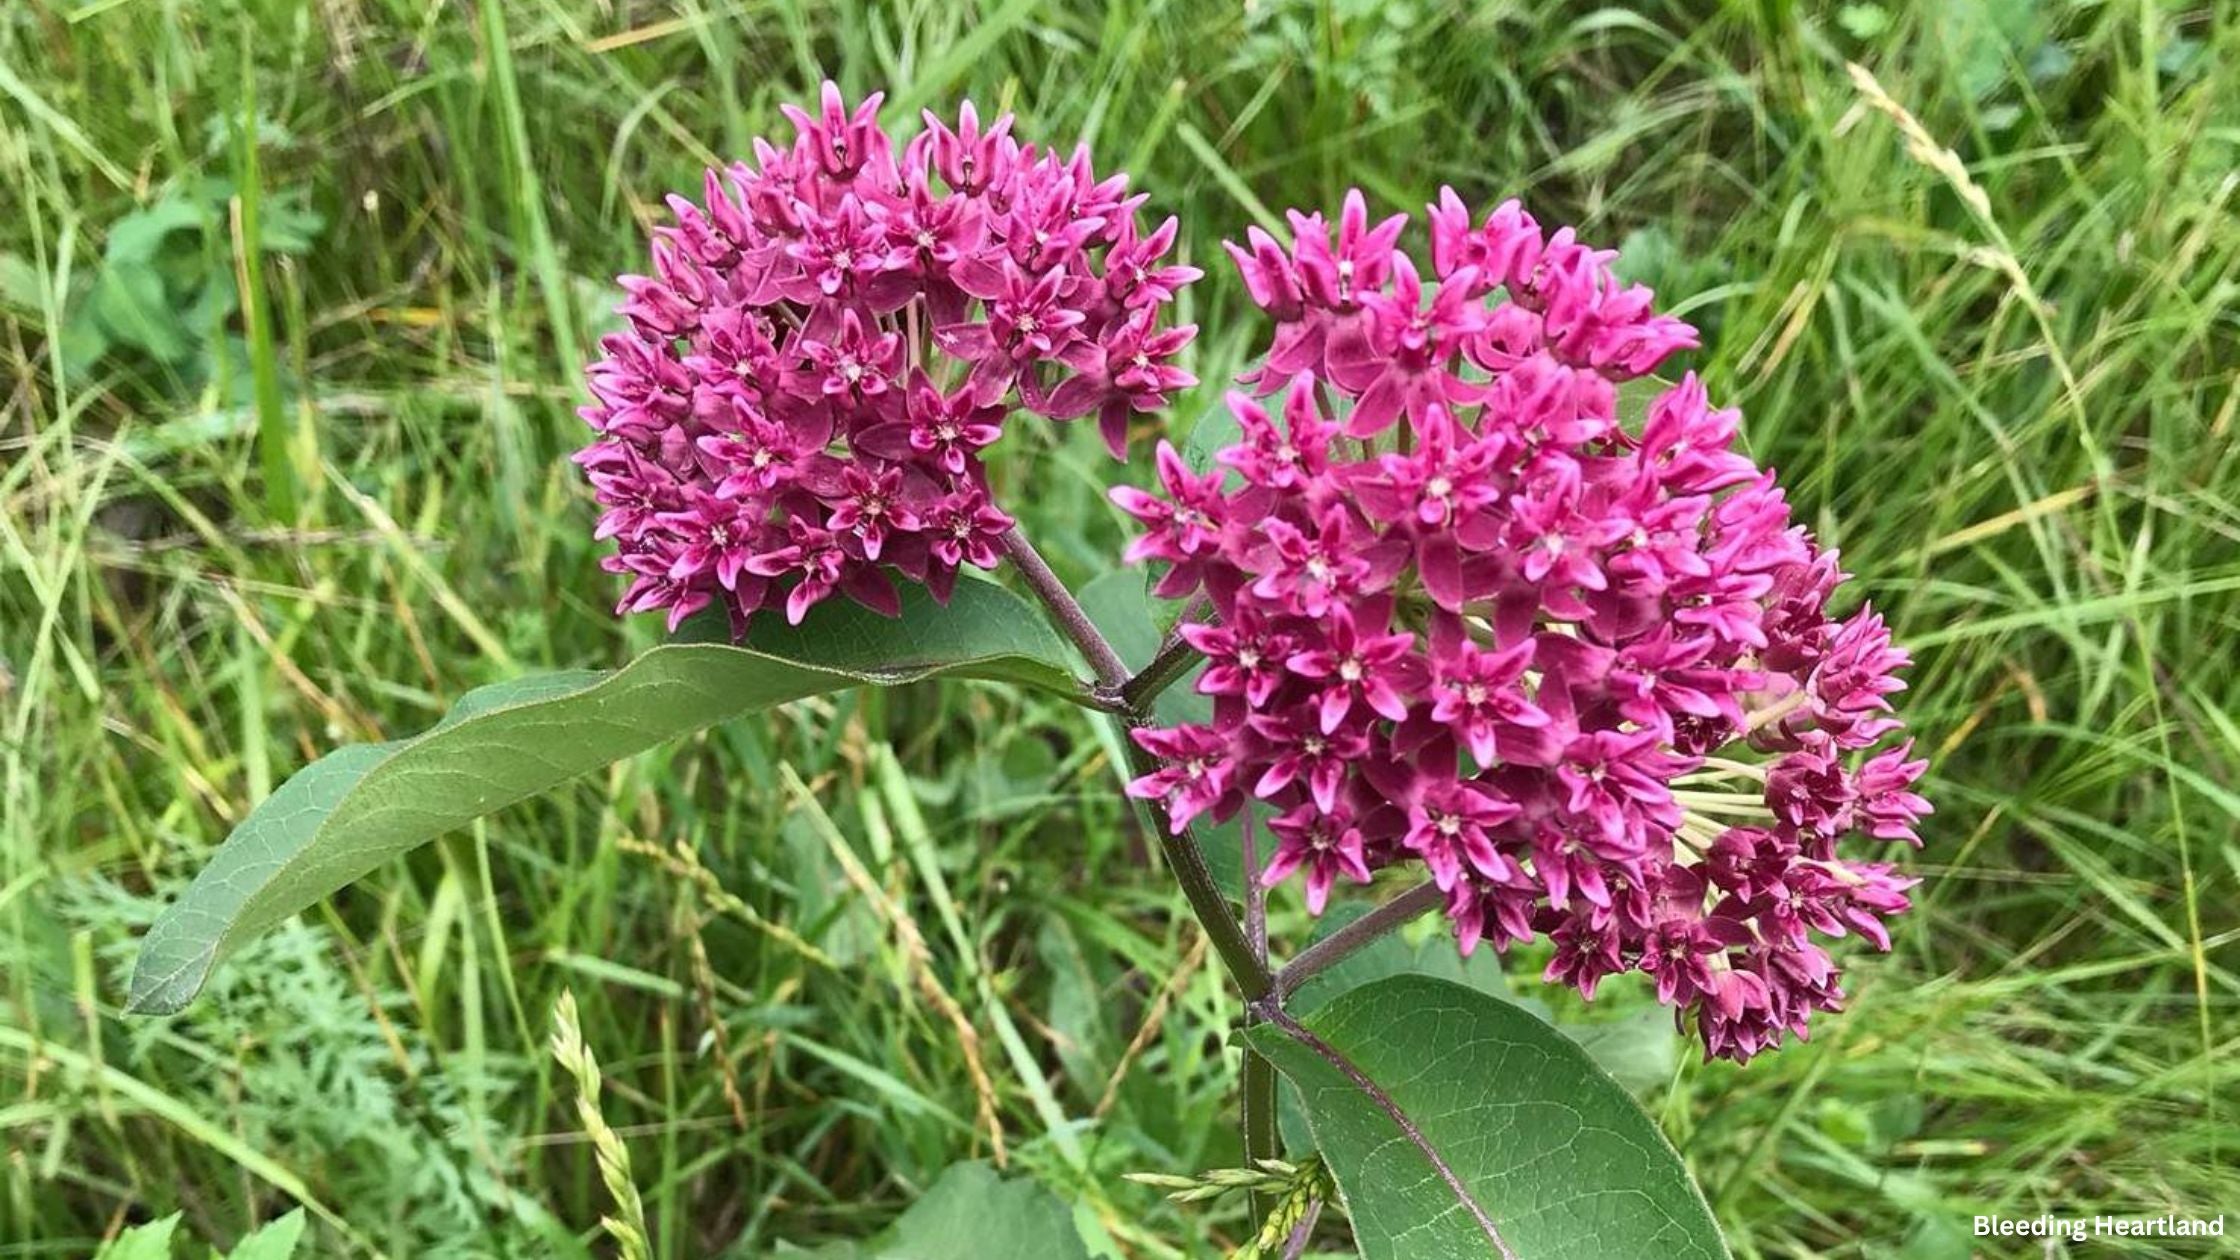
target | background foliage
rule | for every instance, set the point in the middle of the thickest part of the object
(292, 304)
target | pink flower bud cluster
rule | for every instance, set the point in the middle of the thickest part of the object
(1584, 672)
(831, 337)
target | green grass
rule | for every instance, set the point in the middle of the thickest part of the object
(235, 533)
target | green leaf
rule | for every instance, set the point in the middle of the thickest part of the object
(1126, 613)
(130, 301)
(1121, 605)
(1863, 21)
(1135, 622)
(355, 809)
(84, 341)
(1938, 1237)
(1635, 397)
(290, 225)
(276, 1241)
(1981, 38)
(1216, 429)
(1639, 1047)
(971, 1213)
(140, 237)
(1543, 1142)
(142, 1242)
(212, 305)
(21, 288)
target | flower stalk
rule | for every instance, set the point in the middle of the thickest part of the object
(1341, 944)
(1242, 945)
(1187, 859)
(1067, 613)
(1185, 856)
(1175, 659)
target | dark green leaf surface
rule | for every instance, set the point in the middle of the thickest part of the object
(1121, 605)
(1546, 1145)
(1135, 622)
(1639, 1047)
(140, 237)
(1216, 429)
(356, 808)
(1635, 397)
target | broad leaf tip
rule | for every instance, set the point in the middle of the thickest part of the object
(160, 985)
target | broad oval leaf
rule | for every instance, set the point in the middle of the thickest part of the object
(1544, 1144)
(356, 808)
(1638, 1048)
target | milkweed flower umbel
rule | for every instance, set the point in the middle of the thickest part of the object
(1583, 670)
(831, 336)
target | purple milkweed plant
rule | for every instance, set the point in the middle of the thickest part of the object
(1468, 594)
(1462, 617)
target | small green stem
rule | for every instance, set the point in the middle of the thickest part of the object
(1066, 611)
(1175, 658)
(1261, 1140)
(1257, 1099)
(1243, 949)
(1335, 947)
(1187, 859)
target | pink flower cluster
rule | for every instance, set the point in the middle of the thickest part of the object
(829, 340)
(1583, 671)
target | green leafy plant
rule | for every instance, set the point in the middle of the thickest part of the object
(165, 290)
